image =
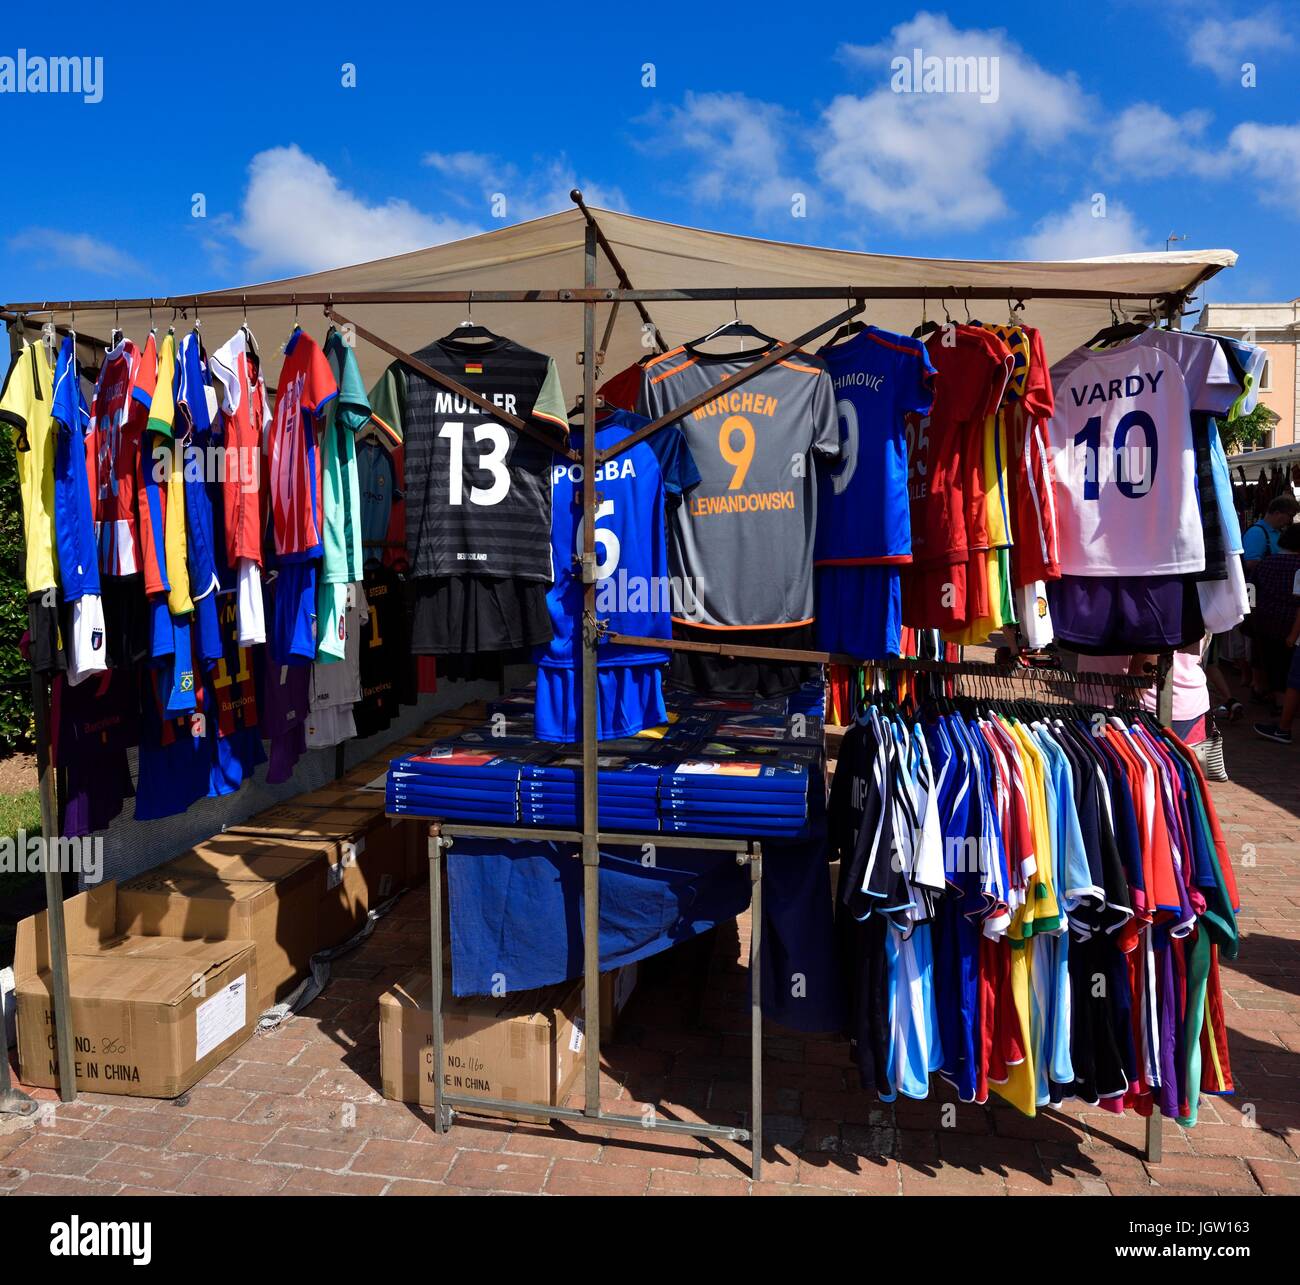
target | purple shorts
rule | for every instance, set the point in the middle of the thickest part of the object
(1106, 616)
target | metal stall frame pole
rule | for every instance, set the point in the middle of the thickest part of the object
(11, 1099)
(1165, 717)
(60, 991)
(438, 846)
(590, 729)
(754, 859)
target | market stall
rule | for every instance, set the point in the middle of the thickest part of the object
(600, 291)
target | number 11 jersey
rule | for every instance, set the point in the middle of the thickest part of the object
(1121, 438)
(478, 493)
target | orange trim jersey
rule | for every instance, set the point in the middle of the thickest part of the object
(741, 544)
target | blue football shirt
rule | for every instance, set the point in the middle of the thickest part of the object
(74, 522)
(862, 508)
(633, 587)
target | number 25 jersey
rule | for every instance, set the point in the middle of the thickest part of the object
(478, 493)
(1121, 440)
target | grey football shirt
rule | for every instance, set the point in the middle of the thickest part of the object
(741, 544)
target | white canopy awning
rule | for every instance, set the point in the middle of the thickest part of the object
(547, 254)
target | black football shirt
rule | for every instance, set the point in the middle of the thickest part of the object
(478, 493)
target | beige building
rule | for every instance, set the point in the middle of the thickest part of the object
(1276, 328)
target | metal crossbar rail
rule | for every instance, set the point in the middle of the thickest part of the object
(893, 664)
(219, 300)
(748, 853)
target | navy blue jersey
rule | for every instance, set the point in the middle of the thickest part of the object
(862, 509)
(633, 588)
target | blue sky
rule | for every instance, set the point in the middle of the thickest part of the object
(1141, 102)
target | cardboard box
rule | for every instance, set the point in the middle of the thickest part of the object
(367, 859)
(346, 798)
(150, 1015)
(526, 1046)
(273, 901)
(616, 987)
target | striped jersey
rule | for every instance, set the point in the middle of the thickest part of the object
(477, 493)
(117, 418)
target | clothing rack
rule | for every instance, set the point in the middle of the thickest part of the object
(1168, 305)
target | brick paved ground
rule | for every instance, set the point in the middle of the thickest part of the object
(299, 1111)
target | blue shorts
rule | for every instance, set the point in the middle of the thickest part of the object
(1109, 615)
(860, 610)
(209, 627)
(294, 619)
(629, 698)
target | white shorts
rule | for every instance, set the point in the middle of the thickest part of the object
(87, 654)
(250, 606)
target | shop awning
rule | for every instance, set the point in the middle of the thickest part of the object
(547, 253)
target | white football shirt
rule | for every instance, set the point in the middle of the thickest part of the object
(1121, 440)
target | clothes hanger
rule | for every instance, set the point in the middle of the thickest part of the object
(848, 329)
(469, 329)
(929, 327)
(1117, 331)
(296, 326)
(733, 327)
(116, 336)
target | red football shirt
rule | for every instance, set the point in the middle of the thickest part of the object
(293, 461)
(244, 418)
(117, 418)
(939, 457)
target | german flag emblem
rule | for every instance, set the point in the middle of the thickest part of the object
(473, 367)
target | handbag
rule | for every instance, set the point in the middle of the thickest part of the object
(1210, 752)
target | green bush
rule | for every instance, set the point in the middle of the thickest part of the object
(17, 730)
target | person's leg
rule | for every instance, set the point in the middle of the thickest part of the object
(1290, 704)
(1218, 684)
(1281, 730)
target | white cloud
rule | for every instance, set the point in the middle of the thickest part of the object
(929, 160)
(1272, 154)
(740, 146)
(1147, 142)
(1223, 44)
(476, 179)
(297, 217)
(75, 249)
(1075, 233)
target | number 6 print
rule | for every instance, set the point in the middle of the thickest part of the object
(606, 541)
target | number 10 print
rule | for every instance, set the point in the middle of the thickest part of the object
(1133, 463)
